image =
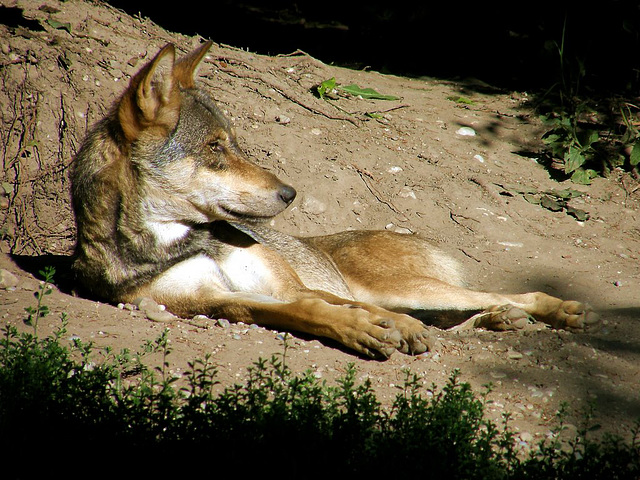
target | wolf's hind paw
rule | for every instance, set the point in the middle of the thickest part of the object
(577, 317)
(503, 318)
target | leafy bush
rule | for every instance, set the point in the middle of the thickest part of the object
(588, 135)
(56, 403)
(48, 391)
(586, 143)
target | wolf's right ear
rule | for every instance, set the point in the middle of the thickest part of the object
(152, 99)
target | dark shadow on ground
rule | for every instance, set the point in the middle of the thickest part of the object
(446, 40)
(582, 369)
(34, 264)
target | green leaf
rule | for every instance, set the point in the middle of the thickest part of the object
(551, 204)
(566, 193)
(573, 159)
(59, 25)
(461, 99)
(368, 93)
(587, 138)
(551, 138)
(326, 87)
(521, 189)
(593, 137)
(566, 123)
(635, 153)
(583, 176)
(578, 214)
(615, 160)
(556, 140)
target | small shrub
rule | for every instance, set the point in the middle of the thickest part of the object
(56, 403)
(588, 135)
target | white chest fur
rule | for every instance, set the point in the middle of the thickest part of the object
(245, 278)
(247, 272)
(191, 275)
(168, 232)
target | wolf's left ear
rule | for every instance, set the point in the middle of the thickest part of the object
(186, 68)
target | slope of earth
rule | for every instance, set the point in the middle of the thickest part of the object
(404, 165)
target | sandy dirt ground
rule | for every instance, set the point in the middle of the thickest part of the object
(404, 165)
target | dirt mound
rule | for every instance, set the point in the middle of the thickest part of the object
(463, 174)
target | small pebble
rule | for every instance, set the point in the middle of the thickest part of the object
(406, 192)
(146, 304)
(223, 322)
(526, 437)
(8, 280)
(160, 316)
(312, 205)
(466, 132)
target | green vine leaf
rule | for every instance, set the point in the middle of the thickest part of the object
(368, 93)
(328, 86)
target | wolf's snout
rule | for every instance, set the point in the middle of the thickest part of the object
(287, 194)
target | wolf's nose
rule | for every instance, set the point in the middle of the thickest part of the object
(287, 194)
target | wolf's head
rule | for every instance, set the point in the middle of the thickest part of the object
(184, 149)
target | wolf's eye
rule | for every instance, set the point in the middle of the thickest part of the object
(216, 146)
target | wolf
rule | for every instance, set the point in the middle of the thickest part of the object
(167, 206)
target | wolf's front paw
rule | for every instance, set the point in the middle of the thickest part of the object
(368, 333)
(416, 337)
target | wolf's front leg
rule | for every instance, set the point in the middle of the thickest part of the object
(373, 332)
(367, 329)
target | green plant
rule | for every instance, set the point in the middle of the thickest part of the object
(329, 88)
(568, 139)
(585, 137)
(574, 145)
(631, 135)
(554, 200)
(56, 401)
(34, 314)
(579, 456)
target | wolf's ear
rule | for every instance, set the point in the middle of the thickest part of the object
(153, 97)
(186, 68)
